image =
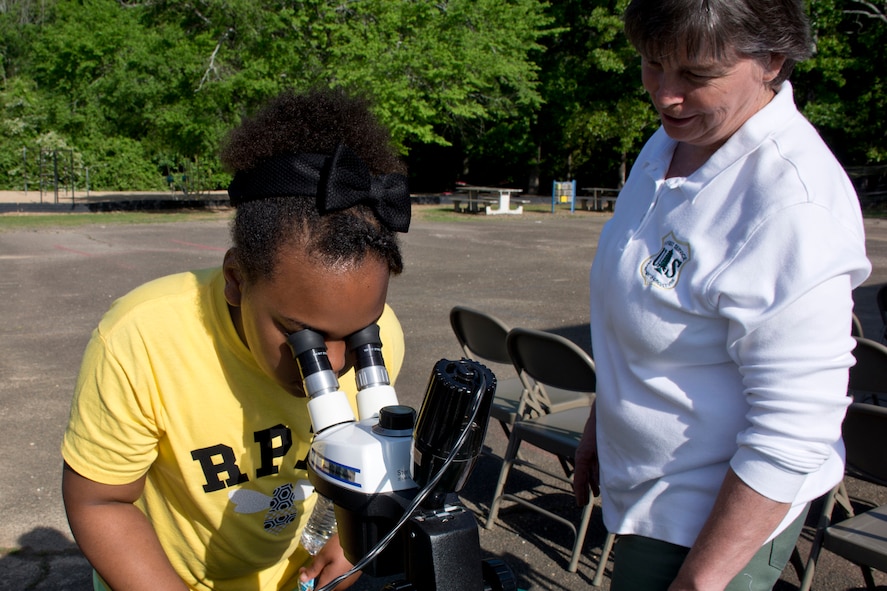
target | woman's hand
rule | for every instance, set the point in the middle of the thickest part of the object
(587, 473)
(328, 564)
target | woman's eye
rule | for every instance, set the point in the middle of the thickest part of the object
(697, 77)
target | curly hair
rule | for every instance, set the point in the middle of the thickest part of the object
(310, 123)
(721, 29)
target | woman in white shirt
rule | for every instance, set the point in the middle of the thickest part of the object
(721, 302)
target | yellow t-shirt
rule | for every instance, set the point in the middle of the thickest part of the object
(167, 388)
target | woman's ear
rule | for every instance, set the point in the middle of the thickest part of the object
(233, 279)
(772, 69)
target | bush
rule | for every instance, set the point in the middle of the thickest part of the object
(120, 164)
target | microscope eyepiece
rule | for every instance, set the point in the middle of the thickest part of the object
(309, 351)
(366, 345)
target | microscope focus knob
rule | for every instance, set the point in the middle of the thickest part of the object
(397, 419)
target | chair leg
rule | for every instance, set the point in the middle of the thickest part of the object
(797, 563)
(842, 498)
(507, 462)
(602, 564)
(566, 466)
(809, 571)
(580, 537)
(816, 545)
(511, 455)
(869, 578)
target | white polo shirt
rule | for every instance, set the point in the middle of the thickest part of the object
(720, 314)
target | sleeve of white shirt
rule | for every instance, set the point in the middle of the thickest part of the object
(788, 297)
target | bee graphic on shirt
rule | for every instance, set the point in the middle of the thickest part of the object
(280, 508)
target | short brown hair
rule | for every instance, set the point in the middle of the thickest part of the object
(719, 29)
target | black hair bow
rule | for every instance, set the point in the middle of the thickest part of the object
(339, 181)
(349, 182)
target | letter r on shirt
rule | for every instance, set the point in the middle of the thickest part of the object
(216, 460)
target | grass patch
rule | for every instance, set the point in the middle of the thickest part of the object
(536, 211)
(879, 212)
(427, 213)
(29, 221)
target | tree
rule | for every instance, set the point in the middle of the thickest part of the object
(174, 76)
(596, 114)
(843, 88)
(19, 126)
(439, 69)
(874, 10)
(501, 91)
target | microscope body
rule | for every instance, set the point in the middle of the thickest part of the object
(366, 472)
(374, 468)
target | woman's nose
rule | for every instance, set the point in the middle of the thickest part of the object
(669, 90)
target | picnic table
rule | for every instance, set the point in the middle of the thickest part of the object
(596, 197)
(486, 197)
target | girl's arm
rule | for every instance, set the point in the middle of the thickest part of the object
(115, 536)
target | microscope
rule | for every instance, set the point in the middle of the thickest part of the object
(394, 476)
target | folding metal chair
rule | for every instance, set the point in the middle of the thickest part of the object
(868, 378)
(547, 360)
(862, 538)
(881, 300)
(856, 327)
(482, 338)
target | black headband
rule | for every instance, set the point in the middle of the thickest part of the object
(339, 181)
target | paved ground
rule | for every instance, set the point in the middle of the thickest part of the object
(530, 270)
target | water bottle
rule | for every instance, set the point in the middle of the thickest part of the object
(321, 525)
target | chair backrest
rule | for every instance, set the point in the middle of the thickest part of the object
(551, 360)
(856, 327)
(865, 437)
(869, 375)
(881, 299)
(481, 335)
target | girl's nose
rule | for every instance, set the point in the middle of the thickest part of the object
(335, 351)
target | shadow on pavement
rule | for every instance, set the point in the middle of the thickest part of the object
(45, 559)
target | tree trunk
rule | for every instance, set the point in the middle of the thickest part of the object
(535, 172)
(622, 169)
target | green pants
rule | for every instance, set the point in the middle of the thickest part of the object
(645, 564)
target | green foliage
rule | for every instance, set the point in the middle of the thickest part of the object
(596, 114)
(516, 91)
(440, 66)
(173, 77)
(19, 124)
(843, 88)
(124, 166)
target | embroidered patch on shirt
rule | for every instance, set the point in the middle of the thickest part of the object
(664, 268)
